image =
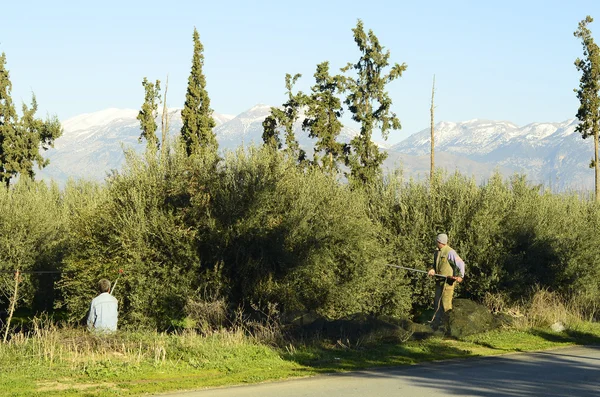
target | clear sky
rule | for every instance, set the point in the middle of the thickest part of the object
(500, 60)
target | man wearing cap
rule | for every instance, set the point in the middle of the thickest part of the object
(446, 262)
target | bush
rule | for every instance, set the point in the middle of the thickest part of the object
(254, 230)
(32, 238)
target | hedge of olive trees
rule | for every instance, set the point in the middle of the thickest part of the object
(255, 231)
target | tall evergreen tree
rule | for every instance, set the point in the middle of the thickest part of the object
(149, 112)
(198, 123)
(286, 118)
(21, 139)
(270, 135)
(587, 93)
(369, 104)
(8, 119)
(322, 122)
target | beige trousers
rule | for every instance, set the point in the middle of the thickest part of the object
(443, 300)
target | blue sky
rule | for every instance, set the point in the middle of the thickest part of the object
(502, 60)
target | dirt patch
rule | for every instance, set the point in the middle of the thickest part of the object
(60, 386)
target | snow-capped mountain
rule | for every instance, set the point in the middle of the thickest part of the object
(550, 153)
(92, 144)
(246, 128)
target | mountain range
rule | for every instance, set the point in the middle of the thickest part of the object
(553, 154)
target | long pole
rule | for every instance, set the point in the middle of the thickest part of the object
(112, 290)
(432, 169)
(13, 302)
(416, 270)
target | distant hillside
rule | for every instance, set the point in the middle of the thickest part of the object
(92, 144)
(549, 153)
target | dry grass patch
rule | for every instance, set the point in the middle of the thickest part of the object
(66, 384)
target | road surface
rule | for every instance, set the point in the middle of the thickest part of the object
(573, 371)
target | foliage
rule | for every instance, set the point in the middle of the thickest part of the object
(147, 115)
(134, 227)
(286, 118)
(32, 228)
(369, 104)
(198, 123)
(324, 109)
(253, 230)
(21, 139)
(275, 227)
(270, 135)
(589, 87)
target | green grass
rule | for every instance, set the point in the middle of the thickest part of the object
(69, 362)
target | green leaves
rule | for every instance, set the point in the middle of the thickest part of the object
(21, 139)
(369, 104)
(148, 113)
(324, 109)
(367, 100)
(285, 119)
(198, 123)
(589, 87)
(32, 236)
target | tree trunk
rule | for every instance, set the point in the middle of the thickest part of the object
(165, 118)
(432, 135)
(331, 163)
(13, 303)
(596, 169)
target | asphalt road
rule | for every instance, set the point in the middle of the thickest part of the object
(573, 371)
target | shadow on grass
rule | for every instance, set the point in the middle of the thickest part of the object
(323, 359)
(493, 347)
(569, 336)
(573, 371)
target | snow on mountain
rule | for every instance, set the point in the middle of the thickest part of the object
(549, 153)
(481, 136)
(92, 143)
(88, 120)
(221, 118)
(246, 128)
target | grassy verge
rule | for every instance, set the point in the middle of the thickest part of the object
(71, 362)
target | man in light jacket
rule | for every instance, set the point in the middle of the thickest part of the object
(103, 310)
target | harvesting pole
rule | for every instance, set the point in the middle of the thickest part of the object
(416, 270)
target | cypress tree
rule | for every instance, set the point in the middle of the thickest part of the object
(322, 122)
(369, 103)
(148, 113)
(270, 135)
(286, 118)
(589, 86)
(21, 139)
(198, 123)
(8, 120)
